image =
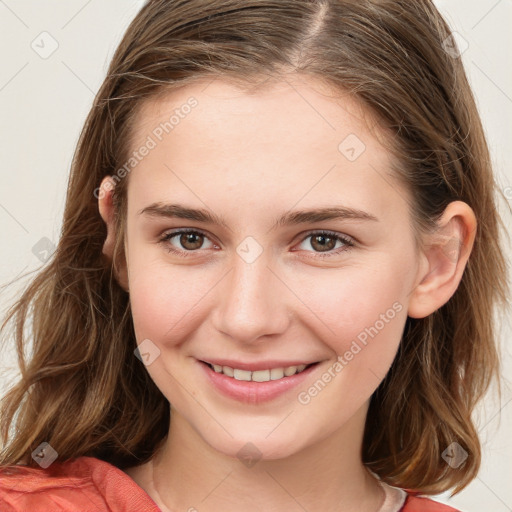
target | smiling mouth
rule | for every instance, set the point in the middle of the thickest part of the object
(259, 375)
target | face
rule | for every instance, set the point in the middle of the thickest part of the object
(254, 285)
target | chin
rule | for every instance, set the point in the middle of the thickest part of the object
(253, 447)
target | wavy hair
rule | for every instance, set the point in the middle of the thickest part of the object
(83, 391)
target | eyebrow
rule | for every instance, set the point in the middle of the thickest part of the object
(290, 218)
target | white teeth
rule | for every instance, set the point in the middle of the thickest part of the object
(291, 370)
(242, 374)
(228, 371)
(259, 375)
(276, 373)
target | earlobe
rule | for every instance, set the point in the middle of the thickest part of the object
(106, 209)
(445, 255)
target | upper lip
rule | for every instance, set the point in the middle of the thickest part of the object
(257, 365)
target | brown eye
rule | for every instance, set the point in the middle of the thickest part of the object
(186, 241)
(323, 243)
(191, 241)
(327, 243)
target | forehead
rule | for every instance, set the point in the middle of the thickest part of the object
(266, 101)
(295, 138)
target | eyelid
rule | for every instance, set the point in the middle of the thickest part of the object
(166, 236)
(349, 241)
(334, 234)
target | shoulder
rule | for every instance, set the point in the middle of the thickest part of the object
(85, 484)
(416, 503)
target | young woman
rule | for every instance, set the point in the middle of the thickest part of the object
(275, 284)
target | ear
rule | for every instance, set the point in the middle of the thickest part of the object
(106, 209)
(444, 257)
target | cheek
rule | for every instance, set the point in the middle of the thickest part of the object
(365, 312)
(165, 300)
(359, 304)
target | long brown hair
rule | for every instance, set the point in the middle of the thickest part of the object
(84, 392)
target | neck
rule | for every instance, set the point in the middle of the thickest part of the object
(188, 474)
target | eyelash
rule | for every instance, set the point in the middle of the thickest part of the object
(349, 242)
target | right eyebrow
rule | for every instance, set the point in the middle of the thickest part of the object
(314, 215)
(182, 212)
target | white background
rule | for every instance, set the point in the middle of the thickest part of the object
(44, 103)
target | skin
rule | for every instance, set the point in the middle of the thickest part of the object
(250, 158)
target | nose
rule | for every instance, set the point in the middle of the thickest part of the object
(253, 303)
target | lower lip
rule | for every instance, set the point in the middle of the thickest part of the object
(251, 392)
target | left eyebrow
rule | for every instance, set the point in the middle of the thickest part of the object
(323, 214)
(290, 218)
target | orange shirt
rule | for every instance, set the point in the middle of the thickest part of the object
(87, 484)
